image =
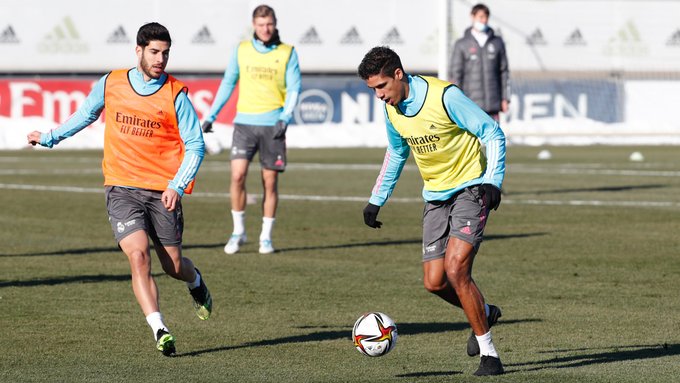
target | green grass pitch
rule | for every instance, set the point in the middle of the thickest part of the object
(582, 256)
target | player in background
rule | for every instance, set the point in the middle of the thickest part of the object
(479, 65)
(153, 147)
(269, 80)
(442, 128)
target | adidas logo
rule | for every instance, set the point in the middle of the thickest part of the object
(64, 38)
(65, 31)
(392, 37)
(626, 42)
(203, 37)
(674, 40)
(311, 37)
(536, 38)
(576, 38)
(627, 34)
(118, 36)
(351, 37)
(8, 36)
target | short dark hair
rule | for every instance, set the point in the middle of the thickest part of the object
(480, 7)
(152, 31)
(264, 11)
(379, 60)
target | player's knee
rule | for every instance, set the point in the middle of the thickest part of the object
(434, 285)
(140, 261)
(238, 178)
(172, 269)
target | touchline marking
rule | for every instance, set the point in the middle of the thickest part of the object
(70, 189)
(296, 197)
(215, 167)
(585, 171)
(18, 172)
(594, 203)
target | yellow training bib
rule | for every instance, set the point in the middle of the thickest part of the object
(447, 156)
(262, 78)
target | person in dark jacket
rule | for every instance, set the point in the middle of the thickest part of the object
(479, 65)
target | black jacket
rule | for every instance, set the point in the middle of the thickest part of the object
(481, 72)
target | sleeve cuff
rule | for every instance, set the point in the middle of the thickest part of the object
(46, 140)
(377, 201)
(175, 188)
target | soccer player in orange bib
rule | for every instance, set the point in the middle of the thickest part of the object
(153, 147)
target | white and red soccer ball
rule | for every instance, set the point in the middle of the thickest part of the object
(374, 334)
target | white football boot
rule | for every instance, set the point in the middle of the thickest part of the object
(266, 246)
(234, 244)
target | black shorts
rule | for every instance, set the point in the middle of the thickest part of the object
(249, 139)
(462, 216)
(131, 210)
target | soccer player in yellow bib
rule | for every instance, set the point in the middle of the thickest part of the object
(269, 80)
(445, 131)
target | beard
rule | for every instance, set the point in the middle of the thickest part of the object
(148, 69)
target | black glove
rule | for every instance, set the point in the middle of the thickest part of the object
(370, 215)
(207, 127)
(280, 129)
(491, 195)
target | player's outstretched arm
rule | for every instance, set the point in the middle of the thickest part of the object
(88, 113)
(33, 137)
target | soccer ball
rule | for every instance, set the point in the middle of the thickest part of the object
(374, 334)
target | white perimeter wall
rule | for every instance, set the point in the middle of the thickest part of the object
(332, 36)
(71, 36)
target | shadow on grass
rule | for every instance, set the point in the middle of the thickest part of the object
(317, 336)
(429, 373)
(437, 327)
(110, 249)
(83, 251)
(595, 189)
(350, 245)
(615, 354)
(220, 245)
(400, 242)
(311, 337)
(72, 279)
(494, 237)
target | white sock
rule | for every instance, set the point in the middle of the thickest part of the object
(155, 321)
(267, 226)
(486, 345)
(195, 283)
(239, 218)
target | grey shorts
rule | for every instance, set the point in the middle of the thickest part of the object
(140, 209)
(462, 216)
(249, 139)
